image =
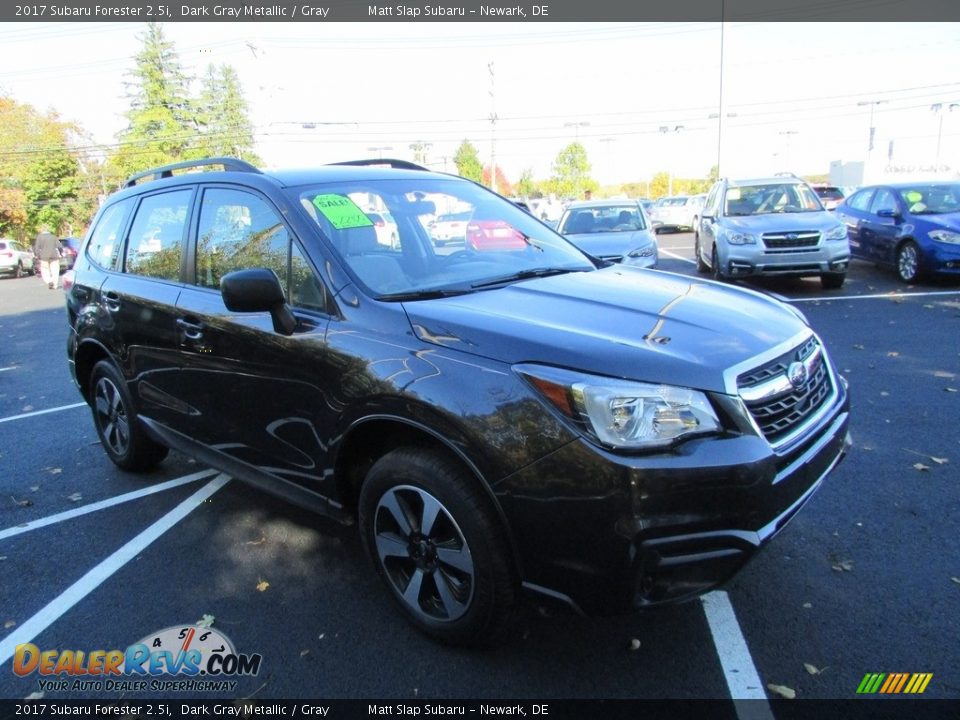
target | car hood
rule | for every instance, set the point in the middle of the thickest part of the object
(620, 322)
(947, 221)
(611, 243)
(782, 222)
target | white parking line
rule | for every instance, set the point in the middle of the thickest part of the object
(738, 669)
(109, 502)
(41, 412)
(880, 296)
(678, 257)
(56, 608)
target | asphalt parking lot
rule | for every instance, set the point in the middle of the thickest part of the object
(866, 579)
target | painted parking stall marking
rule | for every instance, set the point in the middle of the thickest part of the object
(22, 416)
(57, 607)
(102, 504)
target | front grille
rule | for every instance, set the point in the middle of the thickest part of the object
(779, 415)
(801, 239)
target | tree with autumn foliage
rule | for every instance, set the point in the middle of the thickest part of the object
(504, 186)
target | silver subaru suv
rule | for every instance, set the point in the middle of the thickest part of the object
(770, 226)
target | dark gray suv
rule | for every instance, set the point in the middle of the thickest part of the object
(505, 418)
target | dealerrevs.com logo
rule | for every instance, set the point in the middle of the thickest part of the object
(200, 658)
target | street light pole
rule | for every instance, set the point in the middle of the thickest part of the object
(787, 134)
(939, 108)
(872, 104)
(667, 129)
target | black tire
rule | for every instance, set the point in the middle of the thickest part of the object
(715, 266)
(450, 576)
(908, 262)
(702, 267)
(832, 281)
(18, 272)
(122, 437)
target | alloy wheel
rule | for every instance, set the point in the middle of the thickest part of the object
(111, 416)
(908, 262)
(424, 554)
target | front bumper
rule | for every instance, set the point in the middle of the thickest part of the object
(752, 260)
(942, 257)
(607, 533)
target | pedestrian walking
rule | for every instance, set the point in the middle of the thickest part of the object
(47, 250)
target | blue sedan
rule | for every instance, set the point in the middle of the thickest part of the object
(915, 227)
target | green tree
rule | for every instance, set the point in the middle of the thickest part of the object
(223, 115)
(468, 162)
(41, 181)
(526, 187)
(571, 172)
(163, 125)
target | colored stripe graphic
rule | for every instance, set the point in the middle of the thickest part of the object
(894, 683)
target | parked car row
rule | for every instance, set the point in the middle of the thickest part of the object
(17, 259)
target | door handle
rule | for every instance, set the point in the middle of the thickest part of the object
(191, 331)
(112, 301)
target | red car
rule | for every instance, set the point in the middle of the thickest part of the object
(492, 235)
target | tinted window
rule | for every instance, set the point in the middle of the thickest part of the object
(238, 230)
(155, 242)
(104, 244)
(860, 200)
(883, 200)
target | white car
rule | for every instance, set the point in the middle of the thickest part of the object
(16, 259)
(681, 211)
(386, 228)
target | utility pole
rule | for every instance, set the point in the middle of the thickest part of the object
(872, 104)
(938, 108)
(667, 129)
(493, 125)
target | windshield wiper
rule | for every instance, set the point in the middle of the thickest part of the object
(524, 275)
(430, 294)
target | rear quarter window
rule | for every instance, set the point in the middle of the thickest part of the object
(104, 246)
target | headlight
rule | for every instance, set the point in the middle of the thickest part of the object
(620, 413)
(839, 232)
(648, 251)
(946, 236)
(739, 238)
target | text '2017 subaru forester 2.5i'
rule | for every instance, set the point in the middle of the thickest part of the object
(495, 419)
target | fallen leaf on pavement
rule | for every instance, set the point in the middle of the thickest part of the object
(54, 470)
(34, 696)
(304, 652)
(205, 622)
(921, 467)
(262, 540)
(858, 346)
(808, 605)
(939, 461)
(813, 669)
(843, 566)
(9, 624)
(21, 503)
(782, 691)
(955, 579)
(949, 389)
(76, 497)
(943, 374)
(262, 585)
(893, 353)
(634, 644)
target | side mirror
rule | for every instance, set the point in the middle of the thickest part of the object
(258, 290)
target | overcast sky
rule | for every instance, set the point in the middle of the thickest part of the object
(795, 96)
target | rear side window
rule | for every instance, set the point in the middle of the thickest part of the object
(155, 243)
(860, 200)
(105, 239)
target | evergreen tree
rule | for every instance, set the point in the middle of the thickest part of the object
(223, 116)
(163, 125)
(468, 162)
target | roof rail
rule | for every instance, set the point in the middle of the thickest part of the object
(165, 171)
(787, 174)
(388, 162)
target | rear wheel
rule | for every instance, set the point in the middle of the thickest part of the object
(436, 543)
(18, 271)
(908, 262)
(124, 441)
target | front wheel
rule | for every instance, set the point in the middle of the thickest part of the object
(908, 262)
(124, 441)
(702, 267)
(832, 281)
(436, 544)
(715, 262)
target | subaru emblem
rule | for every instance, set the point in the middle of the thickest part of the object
(791, 236)
(797, 374)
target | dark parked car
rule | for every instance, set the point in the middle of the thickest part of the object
(496, 422)
(70, 246)
(915, 227)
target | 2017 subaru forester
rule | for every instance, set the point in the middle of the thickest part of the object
(495, 419)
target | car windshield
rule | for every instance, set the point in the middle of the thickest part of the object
(771, 198)
(932, 198)
(602, 219)
(498, 242)
(675, 202)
